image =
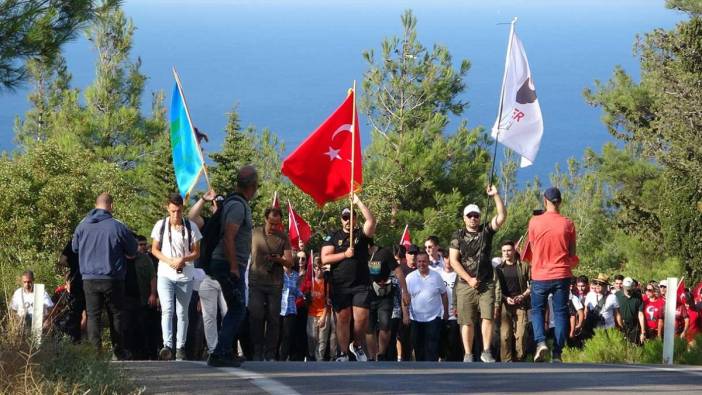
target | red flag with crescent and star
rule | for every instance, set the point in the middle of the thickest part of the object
(321, 165)
(298, 228)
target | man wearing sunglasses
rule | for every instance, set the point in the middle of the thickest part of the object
(350, 278)
(469, 256)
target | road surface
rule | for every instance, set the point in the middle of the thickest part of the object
(291, 378)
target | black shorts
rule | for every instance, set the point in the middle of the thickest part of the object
(343, 298)
(380, 312)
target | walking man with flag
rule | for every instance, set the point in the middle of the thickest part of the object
(469, 255)
(350, 278)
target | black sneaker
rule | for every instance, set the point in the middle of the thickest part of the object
(166, 354)
(556, 358)
(219, 361)
(180, 354)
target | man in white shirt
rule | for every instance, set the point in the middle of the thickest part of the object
(23, 299)
(176, 244)
(428, 307)
(431, 246)
(451, 348)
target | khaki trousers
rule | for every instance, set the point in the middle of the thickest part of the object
(513, 324)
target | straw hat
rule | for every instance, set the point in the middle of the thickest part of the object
(602, 279)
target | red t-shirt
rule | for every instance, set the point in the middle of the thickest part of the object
(550, 235)
(653, 311)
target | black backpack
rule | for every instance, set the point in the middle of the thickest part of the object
(186, 223)
(212, 233)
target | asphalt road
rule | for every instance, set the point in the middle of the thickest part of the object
(411, 378)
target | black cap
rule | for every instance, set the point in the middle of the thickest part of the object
(384, 255)
(413, 250)
(553, 195)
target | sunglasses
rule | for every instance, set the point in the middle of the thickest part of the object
(649, 289)
(473, 215)
(662, 286)
(346, 217)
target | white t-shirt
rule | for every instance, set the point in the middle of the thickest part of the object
(23, 302)
(438, 264)
(607, 311)
(449, 280)
(174, 245)
(425, 293)
(551, 318)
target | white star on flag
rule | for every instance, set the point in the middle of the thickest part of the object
(333, 154)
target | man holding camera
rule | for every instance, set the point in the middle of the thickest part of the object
(552, 242)
(270, 251)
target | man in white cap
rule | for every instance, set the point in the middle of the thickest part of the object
(469, 256)
(630, 314)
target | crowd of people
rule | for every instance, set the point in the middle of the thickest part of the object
(217, 287)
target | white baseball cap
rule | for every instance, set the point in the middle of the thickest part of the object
(663, 283)
(628, 282)
(471, 208)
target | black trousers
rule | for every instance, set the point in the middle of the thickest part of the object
(287, 336)
(264, 320)
(425, 339)
(105, 295)
(451, 346)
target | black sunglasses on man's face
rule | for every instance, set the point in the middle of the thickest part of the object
(473, 215)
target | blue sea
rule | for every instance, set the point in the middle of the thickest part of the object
(288, 64)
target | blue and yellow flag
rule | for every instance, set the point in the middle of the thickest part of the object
(187, 158)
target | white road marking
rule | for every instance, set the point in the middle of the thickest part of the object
(269, 385)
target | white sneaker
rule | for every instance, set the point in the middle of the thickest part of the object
(358, 352)
(468, 358)
(541, 350)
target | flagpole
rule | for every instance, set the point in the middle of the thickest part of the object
(402, 237)
(187, 113)
(353, 159)
(293, 219)
(502, 100)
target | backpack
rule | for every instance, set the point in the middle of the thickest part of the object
(186, 223)
(213, 231)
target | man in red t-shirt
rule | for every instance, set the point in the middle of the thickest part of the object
(552, 242)
(654, 306)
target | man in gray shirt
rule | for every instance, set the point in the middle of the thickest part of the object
(228, 263)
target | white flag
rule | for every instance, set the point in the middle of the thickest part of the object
(521, 126)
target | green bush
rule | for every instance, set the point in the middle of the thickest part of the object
(56, 367)
(606, 346)
(610, 346)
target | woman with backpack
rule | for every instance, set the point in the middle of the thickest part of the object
(600, 305)
(176, 244)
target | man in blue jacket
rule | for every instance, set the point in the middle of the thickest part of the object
(103, 245)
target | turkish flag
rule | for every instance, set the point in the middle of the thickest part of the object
(406, 240)
(275, 203)
(298, 229)
(680, 294)
(321, 165)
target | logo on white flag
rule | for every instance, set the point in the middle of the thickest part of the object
(521, 125)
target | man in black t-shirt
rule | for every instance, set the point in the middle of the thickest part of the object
(381, 298)
(350, 278)
(469, 256)
(70, 322)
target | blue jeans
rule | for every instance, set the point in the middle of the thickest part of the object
(540, 290)
(233, 291)
(176, 293)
